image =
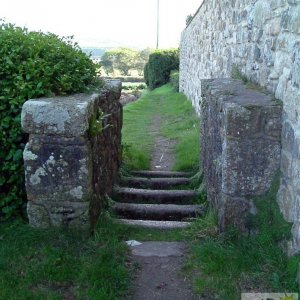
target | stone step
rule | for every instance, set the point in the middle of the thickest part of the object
(161, 174)
(154, 183)
(157, 212)
(155, 224)
(132, 195)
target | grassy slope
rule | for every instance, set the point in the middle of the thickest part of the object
(179, 123)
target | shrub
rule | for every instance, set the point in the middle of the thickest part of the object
(146, 78)
(32, 65)
(174, 80)
(161, 63)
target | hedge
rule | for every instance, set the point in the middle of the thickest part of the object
(146, 78)
(174, 80)
(32, 65)
(159, 66)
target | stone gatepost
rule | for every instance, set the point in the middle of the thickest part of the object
(72, 157)
(241, 145)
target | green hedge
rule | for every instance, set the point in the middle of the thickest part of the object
(32, 64)
(159, 66)
(174, 80)
(146, 78)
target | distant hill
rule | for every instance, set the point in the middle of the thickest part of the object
(95, 52)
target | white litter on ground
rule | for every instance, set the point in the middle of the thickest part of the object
(133, 243)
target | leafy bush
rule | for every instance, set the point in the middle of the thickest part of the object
(146, 74)
(161, 63)
(32, 64)
(174, 80)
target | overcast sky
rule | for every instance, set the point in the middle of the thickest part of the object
(103, 22)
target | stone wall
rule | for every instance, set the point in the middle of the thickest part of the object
(262, 39)
(72, 157)
(240, 148)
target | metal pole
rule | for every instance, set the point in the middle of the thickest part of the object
(157, 35)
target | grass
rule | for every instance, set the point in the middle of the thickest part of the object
(178, 122)
(227, 264)
(54, 264)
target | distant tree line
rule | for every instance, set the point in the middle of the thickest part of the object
(124, 60)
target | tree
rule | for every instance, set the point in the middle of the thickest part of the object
(125, 60)
(122, 59)
(107, 62)
(142, 58)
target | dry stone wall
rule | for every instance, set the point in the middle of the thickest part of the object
(262, 39)
(72, 156)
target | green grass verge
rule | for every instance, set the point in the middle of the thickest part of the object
(52, 264)
(56, 264)
(179, 123)
(228, 264)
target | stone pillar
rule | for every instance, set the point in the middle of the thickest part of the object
(241, 133)
(72, 157)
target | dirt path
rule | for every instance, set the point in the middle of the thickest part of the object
(163, 157)
(159, 276)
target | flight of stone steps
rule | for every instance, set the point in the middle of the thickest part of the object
(156, 199)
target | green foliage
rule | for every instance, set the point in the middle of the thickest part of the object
(57, 264)
(161, 63)
(237, 74)
(141, 60)
(32, 64)
(146, 73)
(229, 263)
(174, 80)
(124, 60)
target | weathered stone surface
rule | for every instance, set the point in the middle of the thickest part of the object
(58, 171)
(155, 224)
(240, 148)
(69, 170)
(68, 117)
(260, 38)
(159, 212)
(134, 195)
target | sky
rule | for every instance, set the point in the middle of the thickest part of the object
(103, 23)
